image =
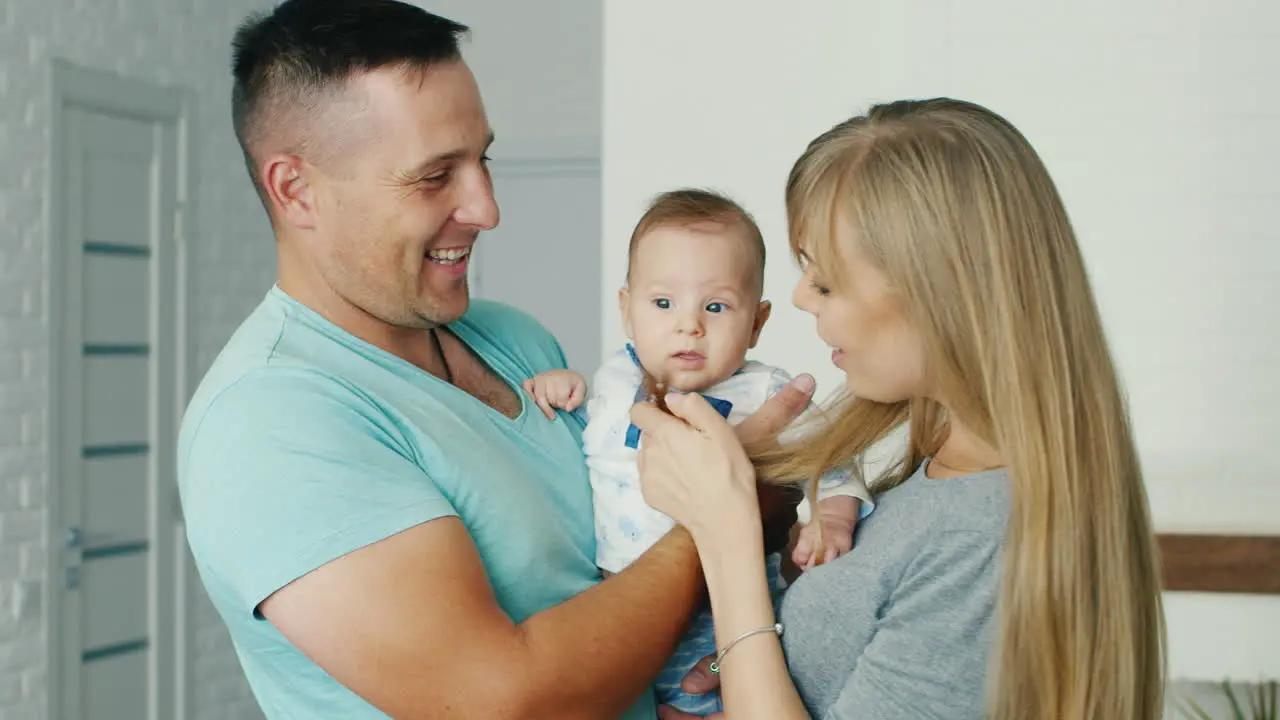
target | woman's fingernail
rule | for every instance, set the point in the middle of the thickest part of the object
(804, 383)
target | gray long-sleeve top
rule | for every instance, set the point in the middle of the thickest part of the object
(901, 627)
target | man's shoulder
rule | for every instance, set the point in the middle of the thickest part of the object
(271, 397)
(277, 357)
(275, 375)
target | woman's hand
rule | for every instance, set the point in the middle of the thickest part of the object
(776, 504)
(696, 471)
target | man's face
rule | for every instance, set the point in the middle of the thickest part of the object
(396, 218)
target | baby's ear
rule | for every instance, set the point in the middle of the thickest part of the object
(762, 316)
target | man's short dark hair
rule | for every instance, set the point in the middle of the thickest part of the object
(303, 51)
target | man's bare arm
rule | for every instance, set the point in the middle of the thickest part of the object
(411, 625)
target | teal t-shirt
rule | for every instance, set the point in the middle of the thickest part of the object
(304, 443)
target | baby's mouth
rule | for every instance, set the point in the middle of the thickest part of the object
(689, 359)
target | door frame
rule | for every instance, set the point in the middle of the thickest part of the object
(81, 87)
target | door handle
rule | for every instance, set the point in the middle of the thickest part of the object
(77, 538)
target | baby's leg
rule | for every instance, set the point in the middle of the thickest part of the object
(698, 642)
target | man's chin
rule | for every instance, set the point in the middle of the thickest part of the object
(442, 311)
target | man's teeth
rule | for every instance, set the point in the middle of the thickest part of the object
(449, 257)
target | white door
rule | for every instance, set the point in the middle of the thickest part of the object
(118, 325)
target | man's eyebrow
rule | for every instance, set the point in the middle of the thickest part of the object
(423, 167)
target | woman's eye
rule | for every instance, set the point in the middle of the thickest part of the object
(819, 289)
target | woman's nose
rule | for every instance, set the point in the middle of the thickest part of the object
(802, 296)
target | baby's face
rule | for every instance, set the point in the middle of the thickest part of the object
(691, 309)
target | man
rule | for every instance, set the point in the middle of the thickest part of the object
(382, 523)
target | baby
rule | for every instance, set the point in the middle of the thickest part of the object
(692, 309)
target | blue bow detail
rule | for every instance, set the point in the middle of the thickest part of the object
(633, 433)
(722, 406)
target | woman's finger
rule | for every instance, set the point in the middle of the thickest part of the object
(697, 412)
(778, 411)
(647, 417)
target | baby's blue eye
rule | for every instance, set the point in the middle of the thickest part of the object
(662, 303)
(715, 307)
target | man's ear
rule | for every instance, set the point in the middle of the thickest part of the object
(290, 192)
(624, 309)
(762, 317)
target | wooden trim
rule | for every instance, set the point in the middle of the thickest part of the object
(1221, 563)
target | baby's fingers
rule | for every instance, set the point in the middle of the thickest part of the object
(576, 394)
(802, 556)
(540, 395)
(842, 543)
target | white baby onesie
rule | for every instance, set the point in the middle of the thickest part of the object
(626, 525)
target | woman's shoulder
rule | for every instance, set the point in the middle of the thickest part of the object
(976, 503)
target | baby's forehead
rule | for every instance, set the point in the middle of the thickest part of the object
(674, 272)
(698, 240)
(699, 257)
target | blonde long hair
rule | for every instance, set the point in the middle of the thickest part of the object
(954, 206)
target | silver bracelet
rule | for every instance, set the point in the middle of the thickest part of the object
(775, 628)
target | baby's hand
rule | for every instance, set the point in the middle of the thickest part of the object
(838, 515)
(563, 389)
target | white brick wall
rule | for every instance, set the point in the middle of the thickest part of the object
(184, 42)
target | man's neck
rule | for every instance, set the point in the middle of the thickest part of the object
(412, 345)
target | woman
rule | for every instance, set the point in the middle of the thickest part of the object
(1009, 569)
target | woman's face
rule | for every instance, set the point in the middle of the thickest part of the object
(865, 325)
